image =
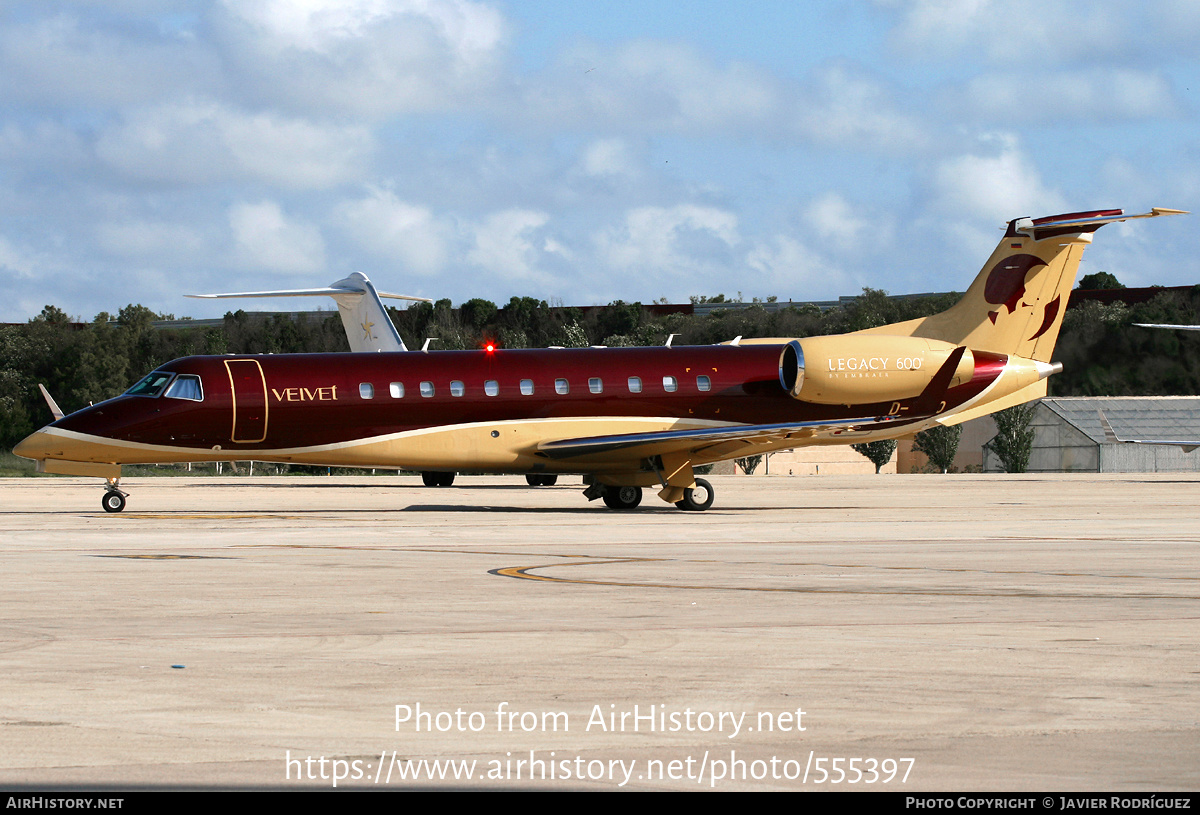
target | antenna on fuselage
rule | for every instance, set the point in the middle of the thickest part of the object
(670, 339)
(425, 347)
(367, 325)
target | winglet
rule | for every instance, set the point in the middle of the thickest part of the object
(1110, 435)
(55, 410)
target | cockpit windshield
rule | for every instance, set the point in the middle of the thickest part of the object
(186, 386)
(151, 385)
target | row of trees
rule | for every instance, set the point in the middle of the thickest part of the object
(1013, 443)
(83, 363)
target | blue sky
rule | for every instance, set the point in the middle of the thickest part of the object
(579, 152)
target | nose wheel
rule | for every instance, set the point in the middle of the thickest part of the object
(114, 498)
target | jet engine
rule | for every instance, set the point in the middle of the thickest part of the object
(851, 369)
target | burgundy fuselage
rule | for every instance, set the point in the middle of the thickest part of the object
(304, 400)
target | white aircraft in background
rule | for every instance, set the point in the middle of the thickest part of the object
(1110, 435)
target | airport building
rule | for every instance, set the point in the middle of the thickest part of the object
(1069, 435)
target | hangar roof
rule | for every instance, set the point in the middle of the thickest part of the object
(1173, 418)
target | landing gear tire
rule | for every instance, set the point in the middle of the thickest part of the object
(113, 501)
(541, 479)
(432, 479)
(622, 497)
(697, 499)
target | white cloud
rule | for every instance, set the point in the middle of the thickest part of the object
(159, 242)
(42, 145)
(608, 157)
(206, 142)
(266, 239)
(680, 240)
(21, 261)
(1009, 32)
(790, 270)
(1075, 96)
(471, 31)
(839, 223)
(650, 86)
(506, 244)
(399, 231)
(371, 56)
(60, 58)
(993, 186)
(849, 109)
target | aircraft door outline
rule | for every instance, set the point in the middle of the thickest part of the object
(248, 391)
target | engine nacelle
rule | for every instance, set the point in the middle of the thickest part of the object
(857, 369)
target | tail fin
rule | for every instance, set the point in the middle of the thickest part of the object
(367, 325)
(1016, 304)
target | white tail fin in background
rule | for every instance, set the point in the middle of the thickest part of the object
(368, 327)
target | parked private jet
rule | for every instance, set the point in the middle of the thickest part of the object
(629, 418)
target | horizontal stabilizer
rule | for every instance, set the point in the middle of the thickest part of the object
(1083, 221)
(327, 291)
(367, 325)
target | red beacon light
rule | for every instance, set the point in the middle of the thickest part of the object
(489, 347)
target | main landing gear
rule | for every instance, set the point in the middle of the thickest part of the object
(541, 479)
(433, 479)
(622, 497)
(114, 498)
(695, 499)
(698, 498)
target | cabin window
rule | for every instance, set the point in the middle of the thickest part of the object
(670, 384)
(457, 388)
(491, 387)
(186, 386)
(151, 384)
(527, 387)
(427, 389)
(396, 389)
(703, 383)
(366, 390)
(635, 384)
(561, 386)
(595, 385)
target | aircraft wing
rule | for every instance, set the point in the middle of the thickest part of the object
(642, 445)
(1164, 325)
(1111, 436)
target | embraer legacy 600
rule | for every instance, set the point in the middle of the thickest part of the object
(627, 417)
